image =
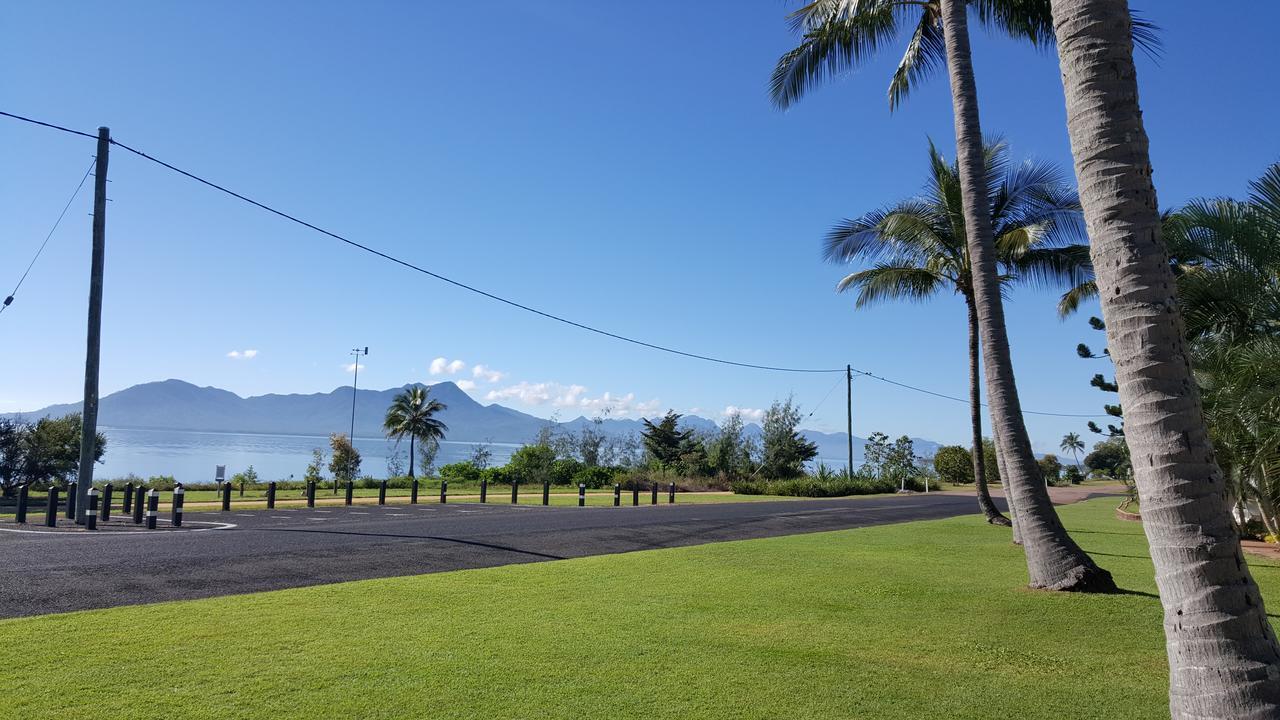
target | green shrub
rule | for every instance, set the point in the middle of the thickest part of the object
(500, 475)
(161, 482)
(564, 470)
(595, 477)
(465, 471)
(830, 485)
(531, 463)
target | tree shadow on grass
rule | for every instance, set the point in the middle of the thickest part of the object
(1074, 531)
(1137, 593)
(1120, 555)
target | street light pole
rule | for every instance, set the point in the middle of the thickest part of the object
(355, 367)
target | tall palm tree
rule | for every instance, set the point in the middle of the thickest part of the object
(1072, 443)
(841, 34)
(411, 415)
(1224, 661)
(917, 249)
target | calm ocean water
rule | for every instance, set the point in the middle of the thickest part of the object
(192, 456)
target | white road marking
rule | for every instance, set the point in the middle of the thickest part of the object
(116, 533)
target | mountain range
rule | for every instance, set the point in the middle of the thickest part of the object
(180, 405)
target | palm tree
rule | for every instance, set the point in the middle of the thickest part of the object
(917, 249)
(1224, 661)
(410, 415)
(1072, 443)
(841, 34)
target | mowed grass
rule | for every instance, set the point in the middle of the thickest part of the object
(920, 620)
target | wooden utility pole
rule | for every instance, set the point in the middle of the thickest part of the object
(848, 397)
(89, 411)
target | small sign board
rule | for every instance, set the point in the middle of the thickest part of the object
(221, 473)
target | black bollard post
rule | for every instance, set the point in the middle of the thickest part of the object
(515, 486)
(138, 501)
(484, 489)
(671, 494)
(71, 501)
(128, 499)
(51, 508)
(444, 491)
(382, 493)
(153, 507)
(226, 497)
(413, 492)
(20, 515)
(91, 513)
(635, 495)
(582, 494)
(106, 503)
(271, 495)
(617, 494)
(350, 491)
(655, 494)
(179, 495)
(311, 494)
(546, 492)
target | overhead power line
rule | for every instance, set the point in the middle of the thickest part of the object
(9, 300)
(506, 301)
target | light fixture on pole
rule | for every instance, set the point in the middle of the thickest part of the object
(355, 368)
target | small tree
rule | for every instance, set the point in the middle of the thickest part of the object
(1051, 468)
(345, 463)
(428, 449)
(727, 451)
(532, 463)
(49, 449)
(785, 449)
(954, 464)
(481, 455)
(315, 468)
(395, 463)
(664, 440)
(875, 451)
(990, 465)
(900, 462)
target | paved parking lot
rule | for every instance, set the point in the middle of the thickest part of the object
(222, 553)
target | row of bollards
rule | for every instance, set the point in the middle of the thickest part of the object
(133, 500)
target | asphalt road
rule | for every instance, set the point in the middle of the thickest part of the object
(48, 572)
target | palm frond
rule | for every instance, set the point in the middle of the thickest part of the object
(840, 42)
(887, 281)
(926, 52)
(1070, 301)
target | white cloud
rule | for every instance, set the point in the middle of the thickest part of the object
(242, 354)
(693, 410)
(489, 375)
(574, 397)
(442, 366)
(755, 414)
(466, 384)
(351, 367)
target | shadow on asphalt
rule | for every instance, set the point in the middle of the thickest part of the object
(460, 541)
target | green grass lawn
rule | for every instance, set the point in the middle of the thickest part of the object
(920, 620)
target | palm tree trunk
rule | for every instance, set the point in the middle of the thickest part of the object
(1008, 496)
(411, 439)
(975, 422)
(1054, 561)
(1224, 661)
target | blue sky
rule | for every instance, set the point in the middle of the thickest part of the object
(619, 164)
